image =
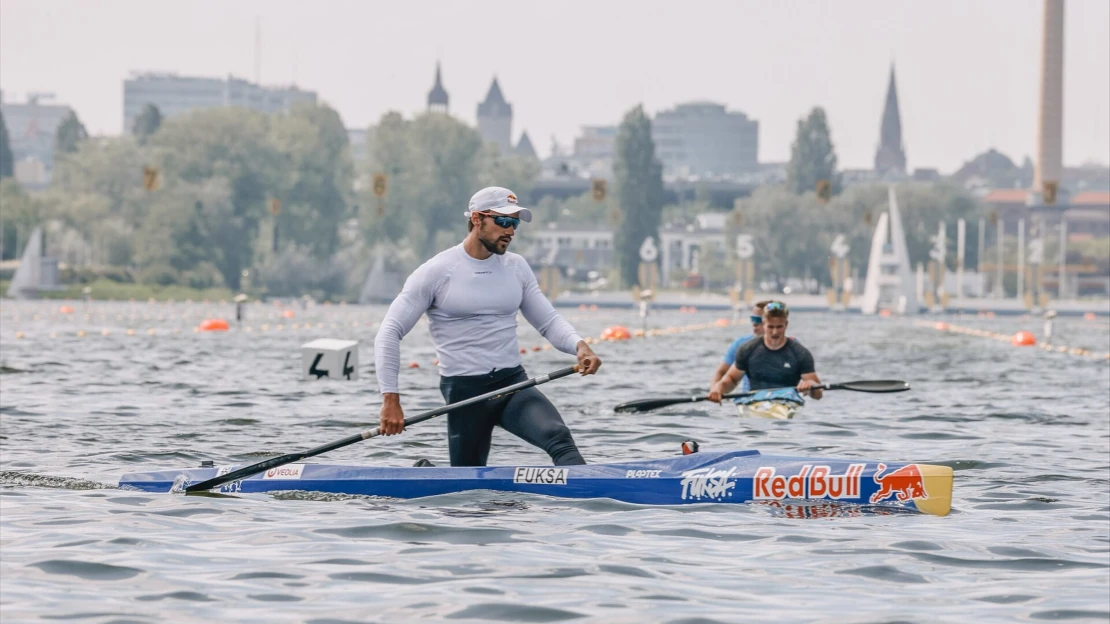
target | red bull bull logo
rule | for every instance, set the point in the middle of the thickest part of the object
(809, 482)
(904, 484)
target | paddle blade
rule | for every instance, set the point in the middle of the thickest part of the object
(646, 405)
(874, 385)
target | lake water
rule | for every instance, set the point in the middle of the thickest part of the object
(1027, 431)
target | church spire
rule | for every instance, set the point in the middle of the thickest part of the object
(437, 97)
(891, 155)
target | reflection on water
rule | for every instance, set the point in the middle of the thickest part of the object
(1026, 430)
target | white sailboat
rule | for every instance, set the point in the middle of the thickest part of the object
(35, 273)
(382, 284)
(889, 282)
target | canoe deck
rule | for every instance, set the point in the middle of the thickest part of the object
(705, 477)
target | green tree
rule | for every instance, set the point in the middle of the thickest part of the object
(812, 155)
(146, 123)
(185, 231)
(231, 144)
(111, 168)
(639, 191)
(6, 160)
(71, 133)
(21, 213)
(434, 163)
(315, 187)
(793, 233)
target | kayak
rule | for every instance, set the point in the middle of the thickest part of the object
(778, 410)
(780, 404)
(704, 477)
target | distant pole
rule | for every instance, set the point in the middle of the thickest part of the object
(258, 50)
(1000, 270)
(1021, 260)
(979, 255)
(1062, 288)
(961, 235)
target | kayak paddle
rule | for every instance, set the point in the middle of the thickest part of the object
(274, 462)
(874, 386)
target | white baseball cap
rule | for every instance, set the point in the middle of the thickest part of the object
(497, 199)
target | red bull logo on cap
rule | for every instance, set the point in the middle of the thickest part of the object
(904, 484)
(809, 482)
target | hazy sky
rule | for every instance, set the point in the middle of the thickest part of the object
(968, 70)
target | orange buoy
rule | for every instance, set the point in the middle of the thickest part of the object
(616, 332)
(537, 348)
(884, 313)
(288, 314)
(213, 325)
(941, 326)
(682, 310)
(1023, 339)
(414, 365)
(582, 307)
(990, 314)
(693, 309)
(1090, 316)
(65, 310)
(523, 350)
(593, 307)
(723, 322)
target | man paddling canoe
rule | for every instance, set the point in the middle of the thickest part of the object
(472, 293)
(773, 362)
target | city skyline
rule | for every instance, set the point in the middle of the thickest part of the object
(977, 91)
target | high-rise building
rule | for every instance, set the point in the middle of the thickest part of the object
(437, 98)
(890, 158)
(704, 139)
(174, 94)
(595, 142)
(1050, 127)
(495, 119)
(32, 129)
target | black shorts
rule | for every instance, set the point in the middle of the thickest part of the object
(526, 414)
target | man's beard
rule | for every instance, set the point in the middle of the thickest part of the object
(493, 247)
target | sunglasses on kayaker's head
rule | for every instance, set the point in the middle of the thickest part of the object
(776, 305)
(756, 320)
(502, 221)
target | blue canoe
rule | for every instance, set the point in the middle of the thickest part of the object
(705, 477)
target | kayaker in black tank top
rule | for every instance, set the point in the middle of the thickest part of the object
(773, 362)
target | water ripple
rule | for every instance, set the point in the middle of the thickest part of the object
(1027, 540)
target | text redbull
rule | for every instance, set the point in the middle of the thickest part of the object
(905, 483)
(809, 482)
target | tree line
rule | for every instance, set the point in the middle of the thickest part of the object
(276, 204)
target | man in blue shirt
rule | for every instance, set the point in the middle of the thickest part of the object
(730, 355)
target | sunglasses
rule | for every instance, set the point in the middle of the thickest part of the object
(775, 306)
(756, 320)
(502, 221)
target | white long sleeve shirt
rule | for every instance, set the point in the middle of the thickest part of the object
(471, 306)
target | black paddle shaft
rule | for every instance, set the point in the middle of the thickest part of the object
(873, 386)
(274, 462)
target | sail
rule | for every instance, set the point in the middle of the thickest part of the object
(28, 277)
(869, 303)
(889, 282)
(382, 284)
(907, 301)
